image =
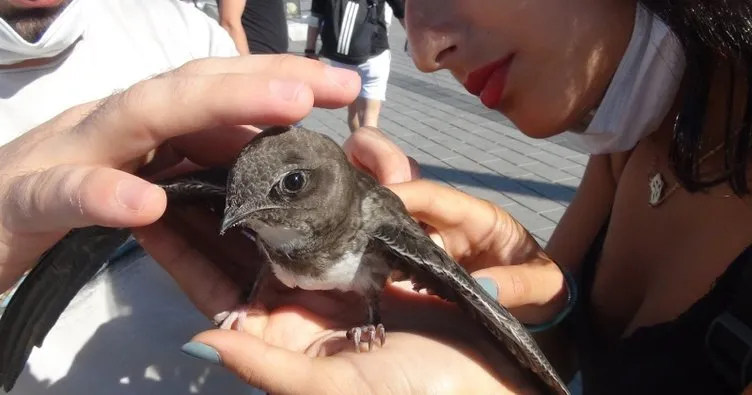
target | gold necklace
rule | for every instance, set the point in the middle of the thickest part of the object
(656, 181)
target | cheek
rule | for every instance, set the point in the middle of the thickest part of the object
(428, 18)
(544, 97)
(560, 73)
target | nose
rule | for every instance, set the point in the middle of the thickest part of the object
(432, 34)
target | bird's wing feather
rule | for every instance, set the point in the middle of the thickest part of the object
(63, 270)
(203, 187)
(431, 267)
(47, 290)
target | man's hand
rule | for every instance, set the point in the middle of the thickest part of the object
(75, 170)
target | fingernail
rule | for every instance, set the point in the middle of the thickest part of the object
(286, 90)
(489, 285)
(201, 351)
(340, 76)
(134, 193)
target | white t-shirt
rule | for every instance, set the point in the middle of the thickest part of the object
(125, 41)
(121, 335)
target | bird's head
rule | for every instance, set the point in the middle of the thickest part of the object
(289, 186)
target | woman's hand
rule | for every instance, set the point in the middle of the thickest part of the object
(297, 345)
(490, 244)
(371, 151)
(482, 237)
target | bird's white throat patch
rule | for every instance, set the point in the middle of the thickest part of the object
(349, 273)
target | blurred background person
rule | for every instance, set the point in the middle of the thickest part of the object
(256, 26)
(354, 35)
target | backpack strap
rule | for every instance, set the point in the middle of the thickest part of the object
(728, 340)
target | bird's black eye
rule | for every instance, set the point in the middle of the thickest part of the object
(294, 182)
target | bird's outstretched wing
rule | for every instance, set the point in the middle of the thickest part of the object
(63, 270)
(47, 290)
(430, 267)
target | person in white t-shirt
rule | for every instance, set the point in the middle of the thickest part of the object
(123, 334)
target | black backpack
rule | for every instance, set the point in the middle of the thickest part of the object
(348, 29)
(728, 340)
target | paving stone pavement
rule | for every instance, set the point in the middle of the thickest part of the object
(459, 142)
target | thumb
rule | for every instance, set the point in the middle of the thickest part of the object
(535, 292)
(262, 365)
(368, 149)
(65, 197)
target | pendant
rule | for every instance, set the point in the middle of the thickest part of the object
(656, 189)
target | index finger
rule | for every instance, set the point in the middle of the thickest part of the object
(325, 81)
(370, 150)
(130, 124)
(441, 206)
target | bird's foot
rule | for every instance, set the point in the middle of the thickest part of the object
(248, 303)
(367, 334)
(227, 319)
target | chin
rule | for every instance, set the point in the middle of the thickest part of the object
(535, 126)
(534, 121)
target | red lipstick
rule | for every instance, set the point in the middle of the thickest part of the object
(36, 3)
(489, 81)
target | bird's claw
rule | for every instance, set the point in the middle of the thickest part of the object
(367, 334)
(226, 319)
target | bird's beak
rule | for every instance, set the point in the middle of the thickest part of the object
(274, 235)
(232, 217)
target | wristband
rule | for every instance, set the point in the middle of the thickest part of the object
(310, 51)
(571, 301)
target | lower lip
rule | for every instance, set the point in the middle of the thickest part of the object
(489, 82)
(491, 94)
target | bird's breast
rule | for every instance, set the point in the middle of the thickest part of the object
(353, 271)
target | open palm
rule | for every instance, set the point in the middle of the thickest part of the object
(297, 344)
(293, 341)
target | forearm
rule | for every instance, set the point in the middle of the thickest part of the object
(585, 215)
(230, 14)
(313, 35)
(570, 242)
(310, 48)
(237, 33)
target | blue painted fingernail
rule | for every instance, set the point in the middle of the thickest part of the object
(202, 351)
(489, 285)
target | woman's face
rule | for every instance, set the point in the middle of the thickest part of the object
(542, 63)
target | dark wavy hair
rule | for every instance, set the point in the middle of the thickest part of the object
(715, 34)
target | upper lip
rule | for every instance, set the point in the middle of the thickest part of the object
(477, 80)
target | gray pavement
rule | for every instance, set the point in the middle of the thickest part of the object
(459, 142)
